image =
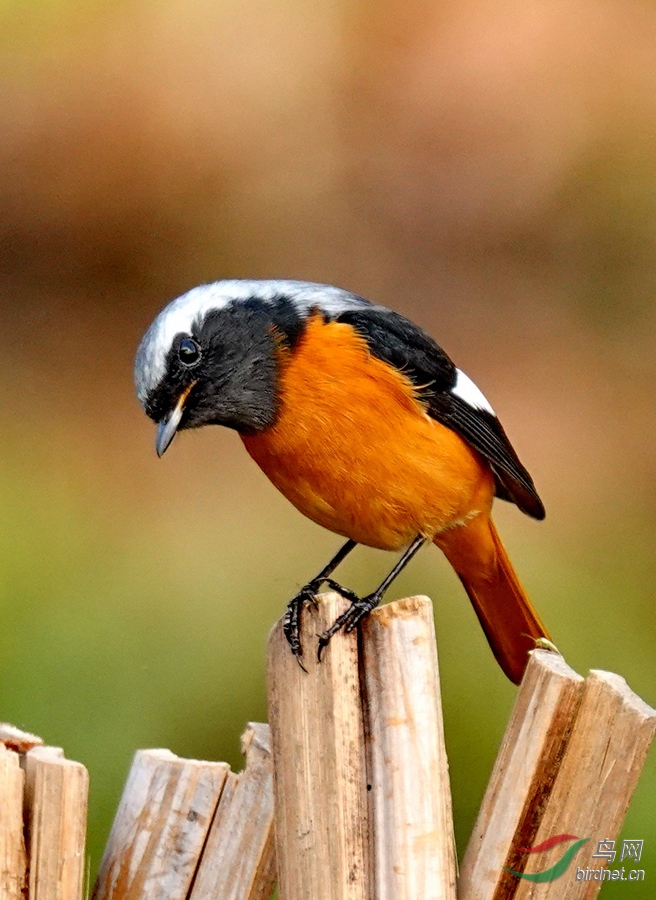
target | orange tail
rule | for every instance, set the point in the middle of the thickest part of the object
(509, 620)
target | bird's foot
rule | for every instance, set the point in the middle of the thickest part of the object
(346, 593)
(359, 608)
(291, 623)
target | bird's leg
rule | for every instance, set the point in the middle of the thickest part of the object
(361, 606)
(291, 623)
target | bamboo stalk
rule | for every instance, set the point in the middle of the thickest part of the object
(238, 862)
(319, 763)
(600, 769)
(522, 778)
(160, 827)
(56, 791)
(414, 846)
(13, 858)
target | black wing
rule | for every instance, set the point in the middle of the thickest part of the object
(485, 432)
(399, 342)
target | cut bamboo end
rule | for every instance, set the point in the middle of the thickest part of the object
(385, 687)
(56, 793)
(13, 857)
(567, 767)
(317, 737)
(412, 824)
(160, 827)
(522, 778)
(15, 739)
(193, 829)
(598, 774)
(238, 862)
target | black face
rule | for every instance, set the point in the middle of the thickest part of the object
(230, 358)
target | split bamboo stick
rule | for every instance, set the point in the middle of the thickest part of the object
(160, 827)
(238, 862)
(56, 791)
(522, 778)
(410, 799)
(29, 761)
(600, 769)
(317, 737)
(13, 859)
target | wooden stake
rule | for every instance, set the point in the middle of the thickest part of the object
(414, 846)
(319, 763)
(597, 777)
(160, 827)
(238, 862)
(522, 778)
(13, 859)
(56, 792)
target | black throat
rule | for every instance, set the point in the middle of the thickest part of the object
(236, 379)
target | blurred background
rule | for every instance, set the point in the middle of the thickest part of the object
(486, 168)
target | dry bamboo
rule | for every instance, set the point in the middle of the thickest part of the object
(56, 791)
(522, 778)
(13, 859)
(319, 763)
(600, 769)
(160, 827)
(15, 739)
(413, 841)
(238, 862)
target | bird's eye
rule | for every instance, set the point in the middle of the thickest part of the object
(188, 352)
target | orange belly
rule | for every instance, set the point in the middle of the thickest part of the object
(353, 449)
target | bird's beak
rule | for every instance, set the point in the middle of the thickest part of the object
(167, 428)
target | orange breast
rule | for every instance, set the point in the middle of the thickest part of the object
(353, 449)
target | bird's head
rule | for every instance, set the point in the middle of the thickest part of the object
(213, 355)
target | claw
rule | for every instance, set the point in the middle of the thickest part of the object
(323, 643)
(297, 657)
(351, 618)
(291, 623)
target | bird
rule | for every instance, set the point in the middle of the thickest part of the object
(363, 422)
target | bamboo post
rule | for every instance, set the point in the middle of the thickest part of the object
(359, 773)
(56, 791)
(317, 737)
(568, 765)
(160, 827)
(599, 771)
(522, 778)
(238, 862)
(13, 859)
(412, 824)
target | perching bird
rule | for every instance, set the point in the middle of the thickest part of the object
(362, 422)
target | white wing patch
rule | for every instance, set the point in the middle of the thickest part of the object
(179, 316)
(467, 391)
